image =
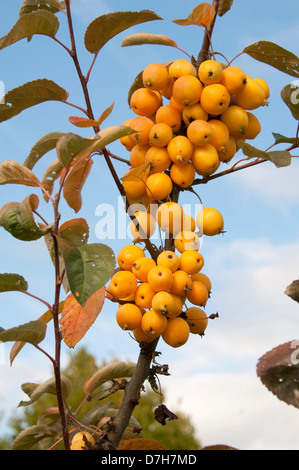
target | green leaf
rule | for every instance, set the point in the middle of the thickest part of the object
(114, 370)
(274, 55)
(32, 332)
(28, 95)
(88, 268)
(17, 219)
(104, 138)
(281, 139)
(251, 151)
(35, 391)
(278, 370)
(12, 172)
(280, 158)
(147, 38)
(69, 145)
(224, 7)
(29, 437)
(38, 22)
(290, 96)
(12, 282)
(105, 27)
(75, 232)
(28, 6)
(44, 145)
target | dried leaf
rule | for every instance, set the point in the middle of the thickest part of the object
(75, 320)
(280, 158)
(162, 413)
(202, 15)
(293, 291)
(278, 370)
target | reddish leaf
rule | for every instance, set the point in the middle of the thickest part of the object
(82, 122)
(75, 320)
(278, 370)
(202, 15)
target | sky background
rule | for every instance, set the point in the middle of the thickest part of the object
(213, 379)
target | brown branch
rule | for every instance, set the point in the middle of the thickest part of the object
(204, 52)
(131, 394)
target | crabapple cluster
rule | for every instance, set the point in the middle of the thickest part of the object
(186, 122)
(153, 295)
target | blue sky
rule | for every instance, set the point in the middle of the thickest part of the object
(250, 265)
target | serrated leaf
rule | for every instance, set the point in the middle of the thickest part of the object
(12, 282)
(28, 95)
(290, 96)
(105, 27)
(114, 370)
(76, 320)
(37, 22)
(35, 92)
(29, 6)
(29, 437)
(74, 182)
(35, 391)
(12, 172)
(202, 15)
(17, 219)
(44, 145)
(293, 290)
(88, 268)
(278, 370)
(138, 39)
(275, 56)
(224, 7)
(32, 332)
